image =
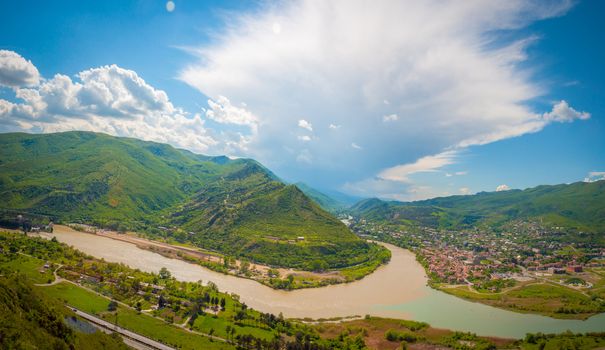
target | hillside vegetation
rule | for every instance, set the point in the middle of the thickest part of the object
(579, 206)
(31, 320)
(236, 207)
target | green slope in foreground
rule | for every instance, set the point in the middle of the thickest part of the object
(236, 207)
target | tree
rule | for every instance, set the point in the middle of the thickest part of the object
(240, 315)
(161, 302)
(318, 265)
(222, 304)
(165, 274)
(228, 330)
(138, 306)
(244, 267)
(113, 306)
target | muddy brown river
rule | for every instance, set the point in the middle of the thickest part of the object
(397, 289)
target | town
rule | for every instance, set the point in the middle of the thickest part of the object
(489, 260)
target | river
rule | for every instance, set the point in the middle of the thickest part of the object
(397, 289)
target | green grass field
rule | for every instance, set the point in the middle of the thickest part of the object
(137, 322)
(543, 298)
(30, 267)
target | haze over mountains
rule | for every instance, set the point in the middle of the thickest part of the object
(580, 205)
(237, 206)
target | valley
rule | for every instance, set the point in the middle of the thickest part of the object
(525, 265)
(397, 290)
(235, 207)
(275, 277)
(234, 227)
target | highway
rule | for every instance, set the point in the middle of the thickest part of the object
(135, 339)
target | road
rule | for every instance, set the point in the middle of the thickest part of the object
(137, 338)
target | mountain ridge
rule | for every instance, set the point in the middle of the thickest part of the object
(235, 206)
(580, 205)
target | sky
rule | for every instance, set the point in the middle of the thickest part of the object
(401, 100)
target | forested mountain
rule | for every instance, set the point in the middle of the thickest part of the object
(580, 206)
(232, 206)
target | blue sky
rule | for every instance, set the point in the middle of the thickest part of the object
(402, 100)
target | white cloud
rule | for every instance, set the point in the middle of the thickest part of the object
(334, 126)
(502, 188)
(117, 101)
(356, 146)
(16, 71)
(390, 118)
(222, 111)
(562, 112)
(595, 176)
(457, 173)
(424, 164)
(305, 125)
(304, 138)
(441, 66)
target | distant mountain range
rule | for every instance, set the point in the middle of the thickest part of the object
(332, 201)
(579, 206)
(237, 207)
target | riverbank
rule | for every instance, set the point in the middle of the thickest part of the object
(274, 277)
(546, 295)
(396, 290)
(93, 285)
(536, 297)
(185, 314)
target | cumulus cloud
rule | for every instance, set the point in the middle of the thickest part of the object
(502, 188)
(117, 101)
(16, 71)
(334, 126)
(305, 138)
(305, 125)
(595, 176)
(439, 65)
(222, 111)
(562, 112)
(356, 146)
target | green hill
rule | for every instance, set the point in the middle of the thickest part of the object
(580, 206)
(236, 207)
(31, 320)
